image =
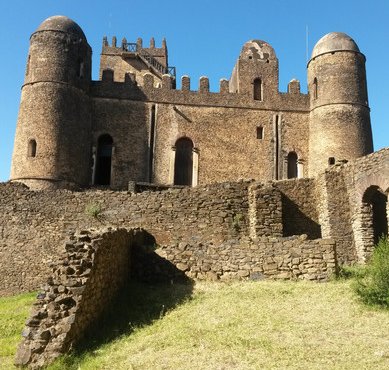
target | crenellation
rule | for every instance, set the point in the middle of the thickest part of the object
(203, 85)
(114, 41)
(148, 81)
(294, 87)
(124, 43)
(224, 86)
(139, 43)
(185, 83)
(152, 43)
(167, 82)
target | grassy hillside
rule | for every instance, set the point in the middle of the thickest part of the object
(242, 325)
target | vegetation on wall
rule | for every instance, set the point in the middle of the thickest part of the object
(372, 283)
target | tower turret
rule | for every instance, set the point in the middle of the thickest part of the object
(52, 141)
(339, 127)
(256, 71)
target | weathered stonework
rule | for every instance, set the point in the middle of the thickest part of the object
(249, 129)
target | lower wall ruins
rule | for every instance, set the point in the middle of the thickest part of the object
(97, 265)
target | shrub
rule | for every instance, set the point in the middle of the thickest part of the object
(93, 210)
(373, 286)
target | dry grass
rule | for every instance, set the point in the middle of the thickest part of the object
(254, 325)
(242, 325)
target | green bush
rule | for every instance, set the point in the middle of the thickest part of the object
(93, 209)
(373, 285)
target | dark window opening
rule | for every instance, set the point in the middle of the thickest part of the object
(314, 88)
(292, 165)
(104, 160)
(258, 93)
(80, 69)
(183, 164)
(260, 133)
(250, 57)
(331, 161)
(374, 215)
(31, 152)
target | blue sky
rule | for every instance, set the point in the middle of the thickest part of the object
(203, 38)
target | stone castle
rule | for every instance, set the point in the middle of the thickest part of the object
(130, 178)
(134, 125)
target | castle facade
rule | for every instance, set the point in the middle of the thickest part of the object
(134, 125)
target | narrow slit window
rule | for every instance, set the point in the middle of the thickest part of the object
(31, 152)
(258, 89)
(80, 69)
(259, 132)
(314, 88)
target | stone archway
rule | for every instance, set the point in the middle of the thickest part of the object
(374, 218)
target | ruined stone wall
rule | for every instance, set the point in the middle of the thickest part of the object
(337, 207)
(83, 283)
(340, 193)
(96, 265)
(34, 224)
(299, 207)
(267, 257)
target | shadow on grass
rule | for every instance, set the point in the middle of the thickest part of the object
(140, 304)
(155, 286)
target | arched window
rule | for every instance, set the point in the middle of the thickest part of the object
(31, 151)
(292, 165)
(314, 88)
(183, 163)
(104, 160)
(258, 89)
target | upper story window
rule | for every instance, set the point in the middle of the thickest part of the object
(260, 132)
(258, 89)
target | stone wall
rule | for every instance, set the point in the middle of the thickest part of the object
(268, 257)
(300, 207)
(96, 266)
(89, 275)
(34, 224)
(342, 211)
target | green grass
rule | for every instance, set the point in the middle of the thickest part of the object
(13, 313)
(241, 325)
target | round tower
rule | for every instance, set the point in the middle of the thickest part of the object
(339, 127)
(52, 141)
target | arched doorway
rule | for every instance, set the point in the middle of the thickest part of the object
(183, 163)
(104, 160)
(292, 165)
(374, 214)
